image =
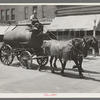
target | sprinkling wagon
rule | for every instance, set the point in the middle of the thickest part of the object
(24, 42)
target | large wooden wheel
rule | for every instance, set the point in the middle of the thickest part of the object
(6, 54)
(26, 59)
(42, 61)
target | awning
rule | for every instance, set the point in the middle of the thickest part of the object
(75, 23)
(4, 29)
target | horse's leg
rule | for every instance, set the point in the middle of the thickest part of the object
(55, 62)
(52, 69)
(79, 69)
(80, 60)
(75, 66)
(80, 63)
(63, 67)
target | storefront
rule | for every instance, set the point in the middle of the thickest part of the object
(76, 26)
(69, 27)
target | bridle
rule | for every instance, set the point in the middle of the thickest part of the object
(80, 52)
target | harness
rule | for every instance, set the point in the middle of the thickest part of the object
(80, 53)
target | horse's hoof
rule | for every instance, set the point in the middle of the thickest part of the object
(74, 66)
(81, 76)
(62, 73)
(52, 71)
(40, 68)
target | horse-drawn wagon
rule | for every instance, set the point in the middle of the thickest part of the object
(24, 43)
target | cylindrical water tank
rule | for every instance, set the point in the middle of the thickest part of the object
(21, 34)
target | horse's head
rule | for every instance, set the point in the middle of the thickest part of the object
(80, 46)
(94, 44)
(45, 44)
(48, 43)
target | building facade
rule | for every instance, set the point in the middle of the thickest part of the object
(15, 13)
(74, 10)
(66, 10)
(46, 13)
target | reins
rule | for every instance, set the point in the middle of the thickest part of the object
(51, 33)
(76, 48)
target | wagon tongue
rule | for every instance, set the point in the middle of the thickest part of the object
(40, 57)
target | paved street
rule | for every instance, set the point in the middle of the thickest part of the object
(15, 79)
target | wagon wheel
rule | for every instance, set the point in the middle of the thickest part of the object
(42, 61)
(18, 55)
(6, 55)
(26, 59)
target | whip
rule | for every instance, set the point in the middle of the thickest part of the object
(51, 33)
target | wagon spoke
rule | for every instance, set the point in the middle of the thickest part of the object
(26, 59)
(42, 61)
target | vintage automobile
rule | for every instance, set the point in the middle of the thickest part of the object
(25, 43)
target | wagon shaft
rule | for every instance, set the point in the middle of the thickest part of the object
(40, 57)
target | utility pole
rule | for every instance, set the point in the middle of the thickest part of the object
(94, 32)
(94, 28)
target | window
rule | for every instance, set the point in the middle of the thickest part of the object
(44, 11)
(13, 14)
(26, 12)
(34, 9)
(90, 33)
(97, 33)
(7, 14)
(2, 14)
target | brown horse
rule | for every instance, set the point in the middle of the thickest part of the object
(64, 50)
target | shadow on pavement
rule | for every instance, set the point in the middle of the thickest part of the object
(58, 70)
(85, 71)
(17, 64)
(91, 58)
(67, 74)
(34, 66)
(90, 78)
(76, 76)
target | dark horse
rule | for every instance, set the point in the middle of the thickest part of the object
(65, 50)
(88, 42)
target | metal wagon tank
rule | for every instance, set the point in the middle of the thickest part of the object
(25, 43)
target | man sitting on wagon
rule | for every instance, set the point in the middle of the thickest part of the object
(35, 24)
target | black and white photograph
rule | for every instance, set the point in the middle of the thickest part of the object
(50, 50)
